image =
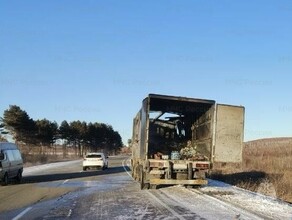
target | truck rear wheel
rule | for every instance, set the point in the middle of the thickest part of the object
(136, 172)
(143, 185)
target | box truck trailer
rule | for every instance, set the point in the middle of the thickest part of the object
(179, 140)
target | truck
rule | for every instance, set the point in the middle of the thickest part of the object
(179, 140)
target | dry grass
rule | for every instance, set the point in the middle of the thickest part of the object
(266, 168)
(274, 157)
(33, 157)
(33, 160)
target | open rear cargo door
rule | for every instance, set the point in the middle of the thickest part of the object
(229, 129)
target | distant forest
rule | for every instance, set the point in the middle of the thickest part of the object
(82, 136)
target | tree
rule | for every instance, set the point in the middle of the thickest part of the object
(83, 136)
(78, 133)
(90, 138)
(111, 140)
(46, 132)
(97, 136)
(64, 131)
(94, 136)
(64, 134)
(2, 130)
(19, 124)
(116, 143)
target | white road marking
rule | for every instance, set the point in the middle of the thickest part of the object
(65, 181)
(124, 166)
(69, 213)
(22, 213)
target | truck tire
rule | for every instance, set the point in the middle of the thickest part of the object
(138, 173)
(143, 185)
(135, 173)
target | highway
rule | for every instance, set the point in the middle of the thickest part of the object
(63, 191)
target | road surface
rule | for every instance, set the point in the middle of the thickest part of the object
(64, 191)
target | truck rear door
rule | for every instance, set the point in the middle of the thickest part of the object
(228, 136)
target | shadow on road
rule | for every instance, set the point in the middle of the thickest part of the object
(75, 175)
(242, 178)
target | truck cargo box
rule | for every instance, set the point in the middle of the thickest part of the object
(176, 139)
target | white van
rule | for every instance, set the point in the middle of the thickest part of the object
(11, 163)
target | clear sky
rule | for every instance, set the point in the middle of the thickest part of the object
(96, 60)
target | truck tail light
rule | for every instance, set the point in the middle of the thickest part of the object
(202, 165)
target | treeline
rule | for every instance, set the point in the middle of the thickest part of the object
(42, 133)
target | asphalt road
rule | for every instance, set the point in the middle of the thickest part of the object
(64, 191)
(46, 188)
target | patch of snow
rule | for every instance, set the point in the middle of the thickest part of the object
(34, 169)
(204, 206)
(254, 202)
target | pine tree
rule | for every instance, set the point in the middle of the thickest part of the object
(19, 124)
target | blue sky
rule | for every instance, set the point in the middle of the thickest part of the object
(96, 60)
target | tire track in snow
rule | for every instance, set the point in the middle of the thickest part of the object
(163, 204)
(153, 196)
(234, 206)
(180, 211)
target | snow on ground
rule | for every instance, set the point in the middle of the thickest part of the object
(34, 169)
(185, 202)
(218, 195)
(265, 206)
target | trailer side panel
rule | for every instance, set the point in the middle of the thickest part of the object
(229, 134)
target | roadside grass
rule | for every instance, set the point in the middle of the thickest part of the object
(37, 159)
(32, 155)
(266, 168)
(35, 155)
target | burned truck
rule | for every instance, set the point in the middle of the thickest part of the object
(178, 140)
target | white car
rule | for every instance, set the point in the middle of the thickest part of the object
(95, 160)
